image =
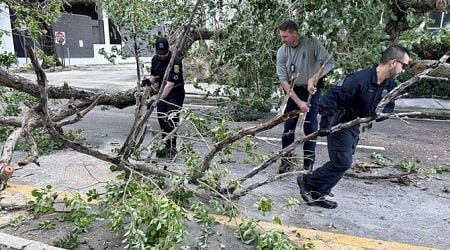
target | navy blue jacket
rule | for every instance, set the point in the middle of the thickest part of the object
(357, 96)
(159, 67)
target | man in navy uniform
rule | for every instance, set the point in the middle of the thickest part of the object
(172, 96)
(356, 96)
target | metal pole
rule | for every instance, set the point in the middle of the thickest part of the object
(68, 55)
(24, 49)
(62, 56)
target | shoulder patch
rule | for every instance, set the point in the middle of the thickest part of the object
(176, 68)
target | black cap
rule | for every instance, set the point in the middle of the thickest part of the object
(161, 46)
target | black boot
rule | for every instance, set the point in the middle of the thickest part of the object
(286, 165)
(171, 153)
(313, 198)
(171, 146)
(161, 153)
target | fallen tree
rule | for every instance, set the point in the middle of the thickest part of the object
(200, 175)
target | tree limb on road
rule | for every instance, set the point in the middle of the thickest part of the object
(119, 100)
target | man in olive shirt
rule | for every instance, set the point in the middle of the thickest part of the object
(304, 56)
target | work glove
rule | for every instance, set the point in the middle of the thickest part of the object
(324, 127)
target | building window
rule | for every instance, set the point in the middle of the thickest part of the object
(441, 20)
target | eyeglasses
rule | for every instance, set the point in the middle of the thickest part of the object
(404, 65)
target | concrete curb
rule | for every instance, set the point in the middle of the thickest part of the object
(15, 242)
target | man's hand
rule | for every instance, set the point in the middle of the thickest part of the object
(152, 78)
(303, 106)
(382, 117)
(312, 84)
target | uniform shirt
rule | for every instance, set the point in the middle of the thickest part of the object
(357, 96)
(305, 59)
(158, 68)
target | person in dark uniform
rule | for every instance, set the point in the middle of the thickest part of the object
(172, 96)
(356, 96)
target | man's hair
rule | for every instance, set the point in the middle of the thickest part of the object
(393, 52)
(288, 25)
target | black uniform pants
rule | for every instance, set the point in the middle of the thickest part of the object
(341, 147)
(168, 117)
(310, 125)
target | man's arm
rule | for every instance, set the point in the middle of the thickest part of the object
(301, 104)
(167, 89)
(327, 66)
(175, 78)
(388, 109)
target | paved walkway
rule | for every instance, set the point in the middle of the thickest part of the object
(429, 107)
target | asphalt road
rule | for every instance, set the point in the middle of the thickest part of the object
(416, 214)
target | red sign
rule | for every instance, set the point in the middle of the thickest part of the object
(60, 37)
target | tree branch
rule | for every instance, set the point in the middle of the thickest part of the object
(279, 118)
(48, 123)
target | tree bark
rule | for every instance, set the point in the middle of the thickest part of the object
(194, 34)
(442, 71)
(120, 99)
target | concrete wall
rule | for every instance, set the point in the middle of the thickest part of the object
(84, 38)
(5, 24)
(79, 38)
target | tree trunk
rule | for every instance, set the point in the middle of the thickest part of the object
(193, 35)
(442, 71)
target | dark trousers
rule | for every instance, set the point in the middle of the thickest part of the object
(168, 122)
(341, 147)
(309, 126)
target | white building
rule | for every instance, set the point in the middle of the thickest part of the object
(86, 30)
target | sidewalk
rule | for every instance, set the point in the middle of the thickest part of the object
(429, 107)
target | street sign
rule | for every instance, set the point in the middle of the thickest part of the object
(60, 37)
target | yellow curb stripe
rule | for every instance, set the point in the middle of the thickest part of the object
(26, 190)
(320, 239)
(324, 240)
